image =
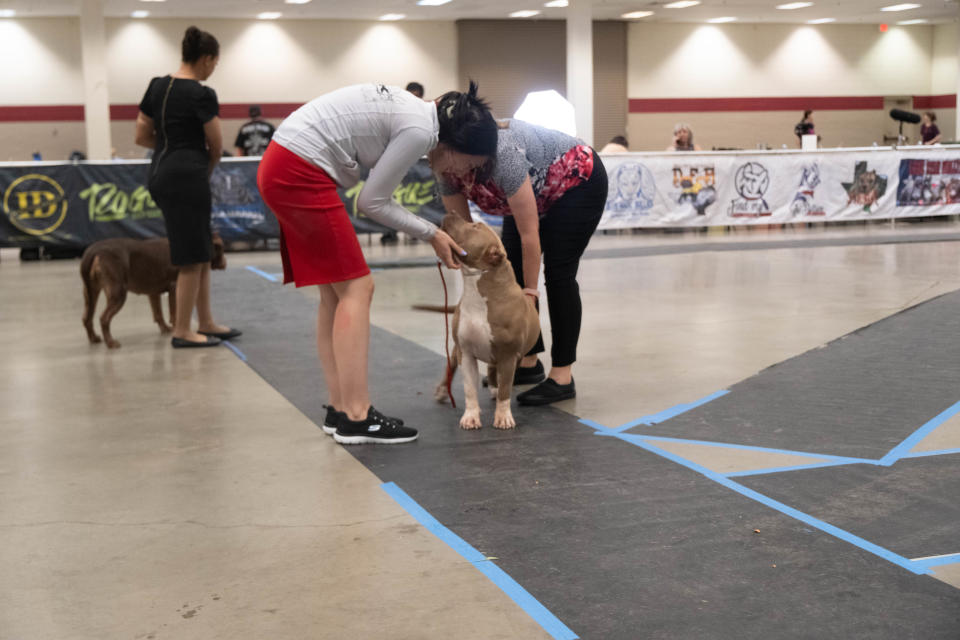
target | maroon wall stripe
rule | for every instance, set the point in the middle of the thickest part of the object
(680, 105)
(948, 101)
(74, 112)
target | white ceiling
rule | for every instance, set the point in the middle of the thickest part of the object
(845, 11)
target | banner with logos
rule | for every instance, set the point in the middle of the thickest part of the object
(78, 204)
(688, 189)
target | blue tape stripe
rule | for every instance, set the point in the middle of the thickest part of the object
(672, 412)
(726, 445)
(826, 527)
(904, 447)
(595, 425)
(924, 454)
(233, 347)
(508, 585)
(937, 561)
(262, 274)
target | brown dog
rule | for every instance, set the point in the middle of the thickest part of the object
(118, 265)
(495, 321)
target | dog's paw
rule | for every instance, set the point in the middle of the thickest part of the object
(95, 339)
(165, 329)
(470, 420)
(493, 392)
(440, 393)
(504, 421)
(113, 344)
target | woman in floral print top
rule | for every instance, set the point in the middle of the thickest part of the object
(551, 189)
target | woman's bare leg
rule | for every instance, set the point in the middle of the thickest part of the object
(351, 344)
(325, 316)
(188, 285)
(204, 312)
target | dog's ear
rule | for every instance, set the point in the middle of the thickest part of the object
(494, 256)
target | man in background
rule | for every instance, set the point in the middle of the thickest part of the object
(254, 136)
(416, 89)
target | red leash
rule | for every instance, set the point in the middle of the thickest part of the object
(446, 336)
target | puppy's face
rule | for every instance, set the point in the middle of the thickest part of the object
(219, 260)
(483, 246)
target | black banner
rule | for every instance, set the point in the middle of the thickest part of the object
(75, 205)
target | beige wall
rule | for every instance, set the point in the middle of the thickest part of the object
(277, 61)
(693, 61)
(510, 58)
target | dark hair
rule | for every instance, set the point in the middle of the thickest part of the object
(931, 115)
(197, 43)
(254, 111)
(806, 114)
(466, 123)
(415, 88)
(619, 140)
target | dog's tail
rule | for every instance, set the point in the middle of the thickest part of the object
(434, 308)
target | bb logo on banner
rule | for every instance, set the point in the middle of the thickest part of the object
(35, 203)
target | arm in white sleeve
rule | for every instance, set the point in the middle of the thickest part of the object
(376, 197)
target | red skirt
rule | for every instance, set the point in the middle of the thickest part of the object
(317, 241)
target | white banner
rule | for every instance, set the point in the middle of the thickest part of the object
(723, 188)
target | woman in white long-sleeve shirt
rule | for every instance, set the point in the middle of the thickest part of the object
(325, 144)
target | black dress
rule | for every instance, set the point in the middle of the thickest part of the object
(179, 182)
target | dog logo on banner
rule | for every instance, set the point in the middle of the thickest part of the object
(866, 187)
(751, 181)
(35, 204)
(697, 187)
(633, 190)
(925, 183)
(803, 203)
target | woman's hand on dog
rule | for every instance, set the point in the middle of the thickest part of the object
(446, 249)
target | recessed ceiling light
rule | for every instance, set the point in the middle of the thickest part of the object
(387, 17)
(524, 14)
(637, 14)
(794, 5)
(296, 1)
(140, 14)
(556, 3)
(682, 4)
(7, 13)
(153, 0)
(269, 15)
(721, 20)
(917, 21)
(431, 3)
(901, 7)
(821, 21)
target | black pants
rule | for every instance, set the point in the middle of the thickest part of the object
(565, 231)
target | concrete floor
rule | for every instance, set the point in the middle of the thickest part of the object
(148, 493)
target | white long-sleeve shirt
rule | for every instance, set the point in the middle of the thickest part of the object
(381, 128)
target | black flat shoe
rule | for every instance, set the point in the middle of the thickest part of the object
(548, 391)
(524, 375)
(223, 335)
(180, 343)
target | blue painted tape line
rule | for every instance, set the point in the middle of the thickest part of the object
(826, 527)
(799, 467)
(550, 623)
(233, 347)
(924, 454)
(726, 445)
(672, 412)
(937, 561)
(262, 274)
(904, 447)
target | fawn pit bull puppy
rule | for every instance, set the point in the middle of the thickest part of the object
(118, 265)
(495, 322)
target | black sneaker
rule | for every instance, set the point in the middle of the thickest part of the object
(376, 428)
(524, 375)
(333, 418)
(548, 391)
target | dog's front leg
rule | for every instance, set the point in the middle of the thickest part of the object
(471, 378)
(503, 418)
(158, 313)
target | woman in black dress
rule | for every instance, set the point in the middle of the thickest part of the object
(179, 120)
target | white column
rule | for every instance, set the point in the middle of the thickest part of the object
(96, 101)
(580, 65)
(956, 131)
